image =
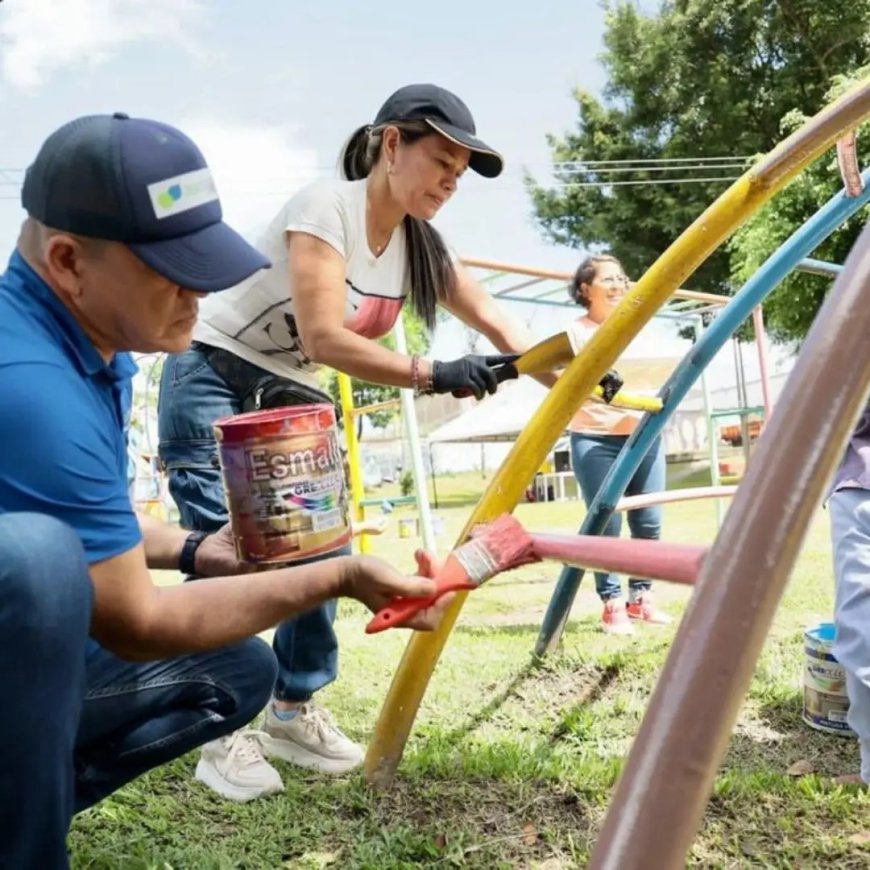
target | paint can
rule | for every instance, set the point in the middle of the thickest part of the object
(825, 700)
(408, 527)
(283, 474)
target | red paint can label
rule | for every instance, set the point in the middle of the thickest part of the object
(284, 477)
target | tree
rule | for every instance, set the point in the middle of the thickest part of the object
(790, 310)
(696, 79)
(370, 394)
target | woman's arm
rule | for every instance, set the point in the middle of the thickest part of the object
(317, 275)
(476, 308)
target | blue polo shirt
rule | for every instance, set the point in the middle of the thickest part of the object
(63, 413)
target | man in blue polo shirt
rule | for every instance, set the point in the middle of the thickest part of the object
(104, 675)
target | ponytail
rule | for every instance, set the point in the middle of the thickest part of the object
(433, 277)
(360, 153)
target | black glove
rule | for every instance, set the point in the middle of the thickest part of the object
(472, 375)
(611, 384)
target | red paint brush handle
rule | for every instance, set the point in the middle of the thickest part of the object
(400, 610)
(450, 578)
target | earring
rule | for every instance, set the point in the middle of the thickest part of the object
(390, 169)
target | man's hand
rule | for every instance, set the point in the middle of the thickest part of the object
(375, 583)
(216, 556)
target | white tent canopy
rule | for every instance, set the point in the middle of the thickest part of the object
(497, 418)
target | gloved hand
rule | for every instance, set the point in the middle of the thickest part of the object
(473, 374)
(611, 384)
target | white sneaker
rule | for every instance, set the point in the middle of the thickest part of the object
(235, 767)
(311, 739)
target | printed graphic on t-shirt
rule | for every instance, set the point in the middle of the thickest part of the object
(274, 331)
(375, 315)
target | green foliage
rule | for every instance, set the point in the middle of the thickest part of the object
(369, 394)
(790, 310)
(406, 483)
(695, 79)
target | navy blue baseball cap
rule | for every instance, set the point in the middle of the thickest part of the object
(144, 184)
(448, 115)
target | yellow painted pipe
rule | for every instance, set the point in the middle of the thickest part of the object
(632, 401)
(357, 491)
(680, 260)
(377, 406)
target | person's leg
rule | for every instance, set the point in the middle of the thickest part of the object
(45, 611)
(646, 523)
(307, 647)
(592, 458)
(192, 397)
(850, 533)
(137, 716)
(301, 732)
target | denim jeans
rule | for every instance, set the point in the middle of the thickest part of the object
(592, 457)
(850, 534)
(78, 722)
(192, 397)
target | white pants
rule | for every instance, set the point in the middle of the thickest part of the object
(850, 533)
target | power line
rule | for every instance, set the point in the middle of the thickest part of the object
(726, 160)
(595, 170)
(569, 184)
(656, 160)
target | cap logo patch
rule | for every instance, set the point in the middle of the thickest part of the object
(182, 193)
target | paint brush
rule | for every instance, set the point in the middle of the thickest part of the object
(494, 547)
(556, 352)
(505, 544)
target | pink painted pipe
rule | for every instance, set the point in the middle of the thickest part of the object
(656, 560)
(847, 158)
(633, 502)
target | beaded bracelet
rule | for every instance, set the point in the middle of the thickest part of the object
(415, 374)
(419, 389)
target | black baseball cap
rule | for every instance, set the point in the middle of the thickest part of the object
(144, 184)
(446, 113)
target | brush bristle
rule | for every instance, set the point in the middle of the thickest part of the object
(495, 547)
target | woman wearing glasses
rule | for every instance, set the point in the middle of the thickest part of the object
(598, 434)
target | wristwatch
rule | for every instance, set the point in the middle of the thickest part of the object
(187, 559)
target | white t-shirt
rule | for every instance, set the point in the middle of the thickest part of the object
(255, 319)
(595, 416)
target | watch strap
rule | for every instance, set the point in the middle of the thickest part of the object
(187, 559)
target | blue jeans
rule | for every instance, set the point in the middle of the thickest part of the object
(592, 457)
(850, 534)
(192, 397)
(78, 722)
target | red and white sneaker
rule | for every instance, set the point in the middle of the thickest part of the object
(644, 610)
(615, 619)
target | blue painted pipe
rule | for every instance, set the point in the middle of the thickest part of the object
(775, 268)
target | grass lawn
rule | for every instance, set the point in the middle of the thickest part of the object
(512, 765)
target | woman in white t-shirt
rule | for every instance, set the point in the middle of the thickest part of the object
(598, 434)
(346, 255)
